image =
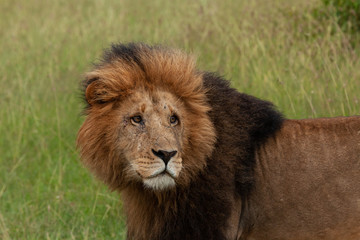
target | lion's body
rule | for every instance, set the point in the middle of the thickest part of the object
(308, 181)
(195, 159)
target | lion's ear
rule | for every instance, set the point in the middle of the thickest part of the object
(97, 92)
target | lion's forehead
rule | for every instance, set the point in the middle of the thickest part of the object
(155, 108)
(155, 104)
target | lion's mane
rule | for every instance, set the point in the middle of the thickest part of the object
(226, 127)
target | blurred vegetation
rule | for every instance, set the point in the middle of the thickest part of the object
(346, 13)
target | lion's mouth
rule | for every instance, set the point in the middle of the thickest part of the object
(157, 175)
(163, 173)
(160, 181)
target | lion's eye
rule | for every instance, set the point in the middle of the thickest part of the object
(136, 119)
(174, 120)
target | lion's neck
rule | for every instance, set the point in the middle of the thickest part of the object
(194, 213)
(147, 212)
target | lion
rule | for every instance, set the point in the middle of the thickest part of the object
(193, 158)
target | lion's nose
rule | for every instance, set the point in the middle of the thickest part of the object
(164, 155)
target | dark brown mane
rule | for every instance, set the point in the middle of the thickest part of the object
(220, 166)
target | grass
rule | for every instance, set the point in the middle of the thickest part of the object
(274, 50)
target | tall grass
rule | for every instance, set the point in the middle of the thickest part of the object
(271, 49)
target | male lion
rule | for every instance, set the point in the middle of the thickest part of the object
(195, 159)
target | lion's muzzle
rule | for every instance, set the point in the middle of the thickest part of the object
(160, 170)
(164, 155)
(172, 163)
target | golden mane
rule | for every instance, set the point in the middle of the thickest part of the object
(150, 68)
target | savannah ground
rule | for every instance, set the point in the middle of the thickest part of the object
(275, 50)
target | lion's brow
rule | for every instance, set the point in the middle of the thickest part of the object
(143, 107)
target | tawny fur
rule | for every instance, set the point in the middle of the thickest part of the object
(314, 193)
(239, 170)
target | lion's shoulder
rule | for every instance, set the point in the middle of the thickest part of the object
(233, 110)
(242, 123)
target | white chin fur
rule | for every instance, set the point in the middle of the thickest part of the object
(160, 182)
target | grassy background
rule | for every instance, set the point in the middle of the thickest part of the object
(274, 50)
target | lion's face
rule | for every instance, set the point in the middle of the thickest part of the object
(150, 136)
(147, 120)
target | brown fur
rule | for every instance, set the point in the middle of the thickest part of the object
(308, 181)
(239, 170)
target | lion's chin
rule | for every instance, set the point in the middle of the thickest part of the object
(160, 182)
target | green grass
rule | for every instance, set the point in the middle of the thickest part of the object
(274, 50)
